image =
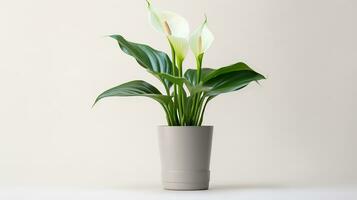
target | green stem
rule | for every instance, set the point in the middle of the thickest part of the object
(173, 114)
(198, 109)
(177, 105)
(168, 115)
(175, 118)
(181, 101)
(199, 68)
(179, 66)
(203, 111)
(166, 88)
(193, 109)
(197, 101)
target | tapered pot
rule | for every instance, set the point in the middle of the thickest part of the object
(185, 153)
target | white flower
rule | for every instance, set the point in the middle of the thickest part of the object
(201, 39)
(174, 26)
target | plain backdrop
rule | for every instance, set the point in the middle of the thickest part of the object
(298, 127)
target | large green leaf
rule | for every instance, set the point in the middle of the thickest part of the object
(229, 79)
(189, 79)
(180, 81)
(191, 74)
(173, 79)
(136, 88)
(151, 59)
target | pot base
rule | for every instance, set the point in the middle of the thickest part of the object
(185, 186)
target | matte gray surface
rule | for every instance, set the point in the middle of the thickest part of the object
(185, 156)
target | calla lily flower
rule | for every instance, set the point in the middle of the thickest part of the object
(201, 39)
(174, 26)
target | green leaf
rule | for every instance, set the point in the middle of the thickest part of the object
(229, 79)
(151, 59)
(178, 81)
(191, 74)
(136, 88)
(173, 79)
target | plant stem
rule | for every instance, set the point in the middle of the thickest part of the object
(166, 88)
(192, 105)
(198, 109)
(179, 66)
(173, 114)
(176, 103)
(193, 110)
(197, 99)
(199, 60)
(203, 111)
(168, 116)
(181, 101)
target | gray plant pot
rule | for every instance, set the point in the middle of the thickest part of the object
(185, 156)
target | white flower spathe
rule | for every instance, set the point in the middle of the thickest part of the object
(173, 26)
(201, 39)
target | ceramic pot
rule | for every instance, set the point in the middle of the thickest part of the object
(185, 153)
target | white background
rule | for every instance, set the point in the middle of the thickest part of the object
(297, 128)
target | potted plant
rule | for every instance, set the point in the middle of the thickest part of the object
(185, 144)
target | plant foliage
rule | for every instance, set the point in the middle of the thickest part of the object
(186, 94)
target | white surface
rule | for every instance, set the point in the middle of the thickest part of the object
(298, 127)
(156, 194)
